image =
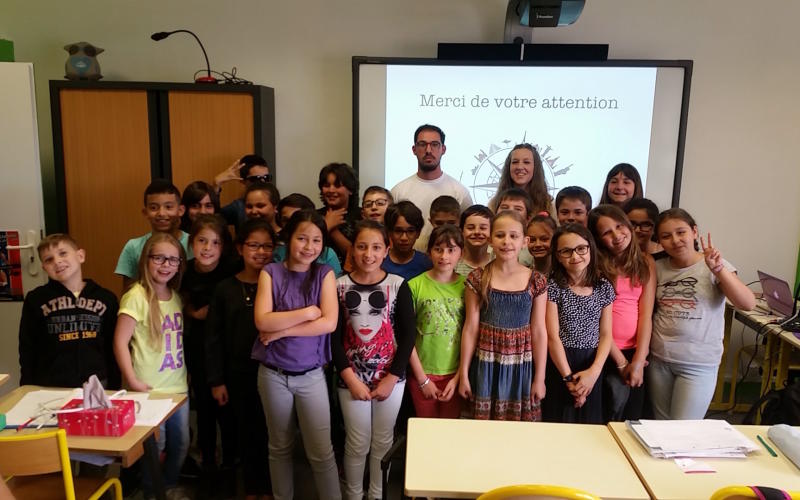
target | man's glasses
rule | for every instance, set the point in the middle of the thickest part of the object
(424, 145)
(161, 259)
(566, 253)
(377, 203)
(259, 178)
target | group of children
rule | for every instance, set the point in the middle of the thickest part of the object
(532, 311)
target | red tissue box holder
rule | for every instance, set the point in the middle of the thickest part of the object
(114, 421)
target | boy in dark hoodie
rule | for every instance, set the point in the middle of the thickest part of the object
(66, 332)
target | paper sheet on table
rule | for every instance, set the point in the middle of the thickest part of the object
(39, 402)
(152, 411)
(691, 438)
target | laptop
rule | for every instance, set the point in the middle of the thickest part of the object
(780, 300)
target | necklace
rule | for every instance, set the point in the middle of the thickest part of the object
(249, 293)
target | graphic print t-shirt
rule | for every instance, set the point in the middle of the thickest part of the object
(377, 333)
(162, 369)
(688, 321)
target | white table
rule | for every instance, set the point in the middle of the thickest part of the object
(665, 481)
(465, 458)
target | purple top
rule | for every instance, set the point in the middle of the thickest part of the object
(294, 353)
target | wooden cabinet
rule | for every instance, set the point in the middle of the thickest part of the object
(112, 138)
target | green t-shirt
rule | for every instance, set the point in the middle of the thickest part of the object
(440, 316)
(162, 369)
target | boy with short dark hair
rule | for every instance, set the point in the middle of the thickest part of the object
(404, 222)
(375, 202)
(444, 210)
(475, 224)
(573, 204)
(163, 209)
(66, 333)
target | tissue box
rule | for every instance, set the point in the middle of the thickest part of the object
(114, 421)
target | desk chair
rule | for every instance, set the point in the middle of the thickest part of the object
(746, 492)
(542, 491)
(35, 459)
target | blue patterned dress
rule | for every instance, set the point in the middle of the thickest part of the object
(501, 373)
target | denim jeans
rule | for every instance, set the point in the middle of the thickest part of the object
(173, 438)
(680, 391)
(306, 395)
(370, 429)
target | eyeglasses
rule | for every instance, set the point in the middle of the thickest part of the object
(161, 259)
(378, 203)
(259, 178)
(566, 253)
(398, 231)
(252, 245)
(424, 145)
(644, 226)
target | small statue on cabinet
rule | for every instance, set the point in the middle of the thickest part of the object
(82, 63)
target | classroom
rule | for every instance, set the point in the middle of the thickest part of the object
(739, 178)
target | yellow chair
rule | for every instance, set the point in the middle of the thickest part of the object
(525, 491)
(743, 492)
(35, 460)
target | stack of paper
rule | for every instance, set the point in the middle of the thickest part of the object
(691, 438)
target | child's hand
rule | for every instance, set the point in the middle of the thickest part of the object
(633, 374)
(385, 387)
(585, 382)
(430, 391)
(335, 218)
(313, 312)
(267, 337)
(137, 385)
(538, 391)
(229, 174)
(220, 393)
(198, 313)
(359, 390)
(449, 389)
(464, 389)
(712, 255)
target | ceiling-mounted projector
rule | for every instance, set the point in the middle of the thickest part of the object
(521, 15)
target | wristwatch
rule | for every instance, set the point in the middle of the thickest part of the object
(567, 378)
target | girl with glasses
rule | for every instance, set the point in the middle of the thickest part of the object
(148, 344)
(579, 309)
(643, 214)
(229, 337)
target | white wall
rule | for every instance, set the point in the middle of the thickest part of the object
(740, 178)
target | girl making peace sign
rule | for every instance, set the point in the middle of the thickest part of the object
(686, 344)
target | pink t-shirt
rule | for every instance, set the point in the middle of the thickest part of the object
(625, 317)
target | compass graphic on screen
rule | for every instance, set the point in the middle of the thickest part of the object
(489, 166)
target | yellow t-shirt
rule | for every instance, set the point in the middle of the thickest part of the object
(162, 369)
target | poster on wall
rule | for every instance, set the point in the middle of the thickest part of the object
(10, 268)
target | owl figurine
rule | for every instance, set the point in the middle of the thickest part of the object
(82, 63)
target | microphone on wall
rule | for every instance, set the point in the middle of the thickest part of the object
(160, 35)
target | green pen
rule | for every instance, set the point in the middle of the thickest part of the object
(770, 450)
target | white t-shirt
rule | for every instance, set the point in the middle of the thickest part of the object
(422, 192)
(688, 321)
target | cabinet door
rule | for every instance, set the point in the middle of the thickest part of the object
(106, 153)
(207, 132)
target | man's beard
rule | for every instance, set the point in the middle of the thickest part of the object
(426, 167)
